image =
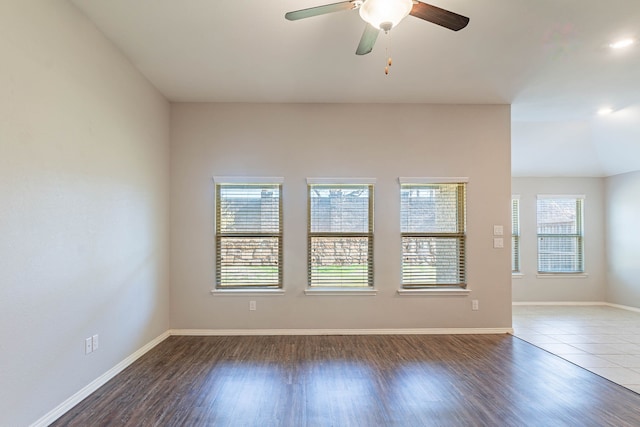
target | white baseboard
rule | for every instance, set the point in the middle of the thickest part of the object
(577, 303)
(574, 303)
(404, 331)
(623, 307)
(97, 383)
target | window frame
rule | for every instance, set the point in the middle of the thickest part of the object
(461, 234)
(579, 235)
(328, 288)
(219, 236)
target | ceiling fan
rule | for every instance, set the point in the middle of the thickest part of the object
(384, 15)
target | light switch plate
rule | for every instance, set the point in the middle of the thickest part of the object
(498, 243)
(498, 230)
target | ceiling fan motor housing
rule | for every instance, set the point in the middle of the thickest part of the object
(385, 14)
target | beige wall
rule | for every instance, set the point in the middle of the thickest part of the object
(531, 288)
(311, 140)
(623, 238)
(84, 144)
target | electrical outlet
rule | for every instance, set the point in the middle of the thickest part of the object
(94, 342)
(252, 305)
(474, 305)
(88, 345)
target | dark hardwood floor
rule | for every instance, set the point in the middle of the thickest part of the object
(396, 380)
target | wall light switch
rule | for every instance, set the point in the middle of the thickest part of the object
(498, 230)
(95, 343)
(498, 243)
(88, 346)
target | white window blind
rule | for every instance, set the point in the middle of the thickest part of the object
(248, 235)
(340, 227)
(560, 234)
(433, 234)
(515, 235)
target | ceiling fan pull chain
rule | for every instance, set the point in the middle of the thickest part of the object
(388, 55)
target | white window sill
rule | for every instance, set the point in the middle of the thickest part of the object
(340, 291)
(435, 292)
(517, 275)
(562, 275)
(247, 292)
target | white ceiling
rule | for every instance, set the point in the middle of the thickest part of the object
(548, 58)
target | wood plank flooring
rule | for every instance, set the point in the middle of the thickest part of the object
(396, 380)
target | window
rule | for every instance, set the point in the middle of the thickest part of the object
(432, 219)
(515, 234)
(560, 234)
(340, 231)
(248, 235)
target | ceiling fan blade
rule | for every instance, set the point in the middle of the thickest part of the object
(321, 10)
(367, 40)
(442, 17)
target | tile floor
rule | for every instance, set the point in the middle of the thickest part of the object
(605, 340)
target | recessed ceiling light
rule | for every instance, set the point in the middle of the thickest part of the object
(622, 43)
(604, 111)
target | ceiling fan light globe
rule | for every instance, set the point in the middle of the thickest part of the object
(378, 12)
